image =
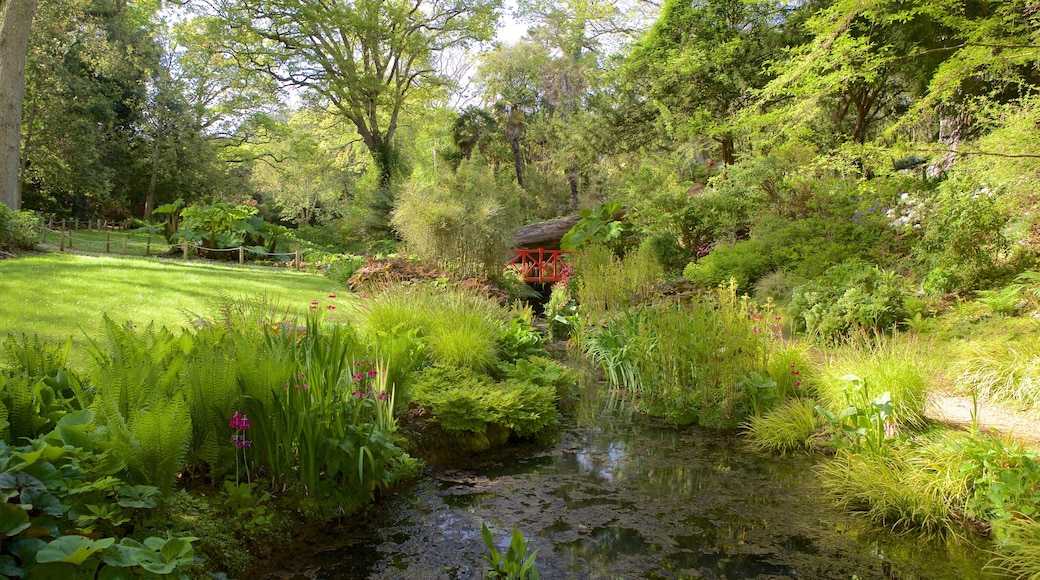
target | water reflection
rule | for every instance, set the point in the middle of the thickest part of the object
(617, 498)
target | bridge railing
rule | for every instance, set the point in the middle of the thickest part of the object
(539, 265)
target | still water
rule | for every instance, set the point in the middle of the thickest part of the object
(620, 497)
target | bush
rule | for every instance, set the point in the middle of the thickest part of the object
(852, 296)
(20, 230)
(745, 262)
(462, 400)
(962, 235)
(340, 268)
(462, 223)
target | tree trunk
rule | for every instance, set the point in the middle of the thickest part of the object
(149, 198)
(518, 161)
(572, 181)
(728, 150)
(14, 42)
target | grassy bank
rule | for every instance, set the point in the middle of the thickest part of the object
(55, 295)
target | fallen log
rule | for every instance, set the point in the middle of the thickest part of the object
(547, 234)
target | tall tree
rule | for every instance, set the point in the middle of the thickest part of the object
(14, 41)
(365, 59)
(701, 62)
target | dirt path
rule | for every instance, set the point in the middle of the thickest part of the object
(955, 410)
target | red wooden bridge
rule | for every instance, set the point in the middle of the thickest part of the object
(539, 265)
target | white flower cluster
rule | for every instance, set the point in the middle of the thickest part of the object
(908, 212)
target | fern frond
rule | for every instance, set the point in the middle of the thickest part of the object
(161, 436)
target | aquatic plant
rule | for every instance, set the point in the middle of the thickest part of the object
(515, 564)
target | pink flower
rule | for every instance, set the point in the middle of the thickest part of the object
(332, 296)
(797, 383)
(239, 422)
(372, 373)
(384, 396)
(332, 307)
(795, 372)
(358, 376)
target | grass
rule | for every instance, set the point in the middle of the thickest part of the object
(895, 364)
(110, 242)
(1004, 372)
(789, 427)
(59, 296)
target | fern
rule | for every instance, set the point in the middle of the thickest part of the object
(134, 369)
(21, 407)
(160, 437)
(34, 357)
(210, 384)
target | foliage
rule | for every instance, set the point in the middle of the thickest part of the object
(520, 340)
(341, 267)
(461, 400)
(688, 361)
(1004, 371)
(597, 227)
(790, 426)
(19, 229)
(607, 284)
(220, 226)
(852, 296)
(515, 564)
(561, 311)
(862, 424)
(896, 366)
(61, 488)
(463, 222)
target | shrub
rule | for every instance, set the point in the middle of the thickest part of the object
(462, 222)
(462, 400)
(852, 296)
(962, 233)
(19, 229)
(341, 267)
(745, 261)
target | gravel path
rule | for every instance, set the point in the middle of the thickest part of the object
(955, 410)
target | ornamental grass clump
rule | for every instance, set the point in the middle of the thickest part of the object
(893, 365)
(1004, 372)
(792, 426)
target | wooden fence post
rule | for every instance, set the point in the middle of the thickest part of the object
(148, 246)
(124, 245)
(184, 245)
(241, 255)
(70, 239)
(108, 242)
(299, 266)
(61, 235)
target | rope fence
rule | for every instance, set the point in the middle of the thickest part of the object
(128, 243)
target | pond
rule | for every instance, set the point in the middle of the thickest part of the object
(620, 497)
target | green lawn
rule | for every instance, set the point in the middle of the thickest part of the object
(64, 295)
(109, 242)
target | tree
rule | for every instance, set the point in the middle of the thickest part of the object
(364, 59)
(701, 62)
(14, 41)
